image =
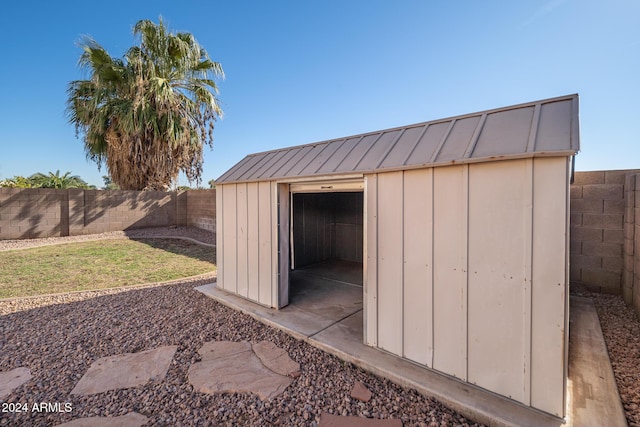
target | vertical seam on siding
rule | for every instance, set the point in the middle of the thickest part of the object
(377, 317)
(433, 286)
(246, 205)
(272, 204)
(402, 265)
(528, 297)
(466, 192)
(258, 235)
(220, 247)
(235, 211)
(567, 230)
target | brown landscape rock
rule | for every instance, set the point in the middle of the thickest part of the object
(360, 392)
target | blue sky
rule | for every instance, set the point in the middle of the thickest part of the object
(306, 71)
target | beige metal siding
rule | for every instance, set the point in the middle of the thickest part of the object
(253, 241)
(390, 277)
(466, 273)
(498, 283)
(219, 237)
(245, 243)
(549, 284)
(242, 239)
(266, 246)
(370, 264)
(275, 259)
(418, 287)
(281, 292)
(230, 256)
(450, 270)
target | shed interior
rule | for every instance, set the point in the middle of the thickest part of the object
(326, 244)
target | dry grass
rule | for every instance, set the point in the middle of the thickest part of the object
(100, 264)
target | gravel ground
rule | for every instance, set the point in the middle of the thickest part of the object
(621, 330)
(58, 337)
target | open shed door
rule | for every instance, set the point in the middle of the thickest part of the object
(285, 222)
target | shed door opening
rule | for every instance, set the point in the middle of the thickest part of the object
(327, 251)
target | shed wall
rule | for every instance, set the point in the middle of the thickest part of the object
(247, 240)
(465, 268)
(472, 273)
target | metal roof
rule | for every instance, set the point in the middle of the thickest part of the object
(542, 128)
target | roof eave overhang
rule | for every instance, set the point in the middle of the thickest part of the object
(360, 174)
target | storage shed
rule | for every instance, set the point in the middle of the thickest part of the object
(459, 228)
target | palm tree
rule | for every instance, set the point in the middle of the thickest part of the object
(148, 115)
(17, 181)
(108, 183)
(52, 180)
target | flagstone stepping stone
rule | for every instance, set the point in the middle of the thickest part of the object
(11, 380)
(234, 367)
(276, 359)
(125, 370)
(132, 419)
(329, 420)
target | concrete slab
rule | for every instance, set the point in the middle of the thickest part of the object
(329, 420)
(11, 380)
(326, 298)
(132, 419)
(340, 270)
(592, 390)
(233, 367)
(316, 304)
(344, 338)
(125, 370)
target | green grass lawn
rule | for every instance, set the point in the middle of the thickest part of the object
(100, 264)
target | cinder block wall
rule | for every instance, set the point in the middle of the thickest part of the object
(631, 278)
(35, 212)
(114, 210)
(201, 209)
(597, 229)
